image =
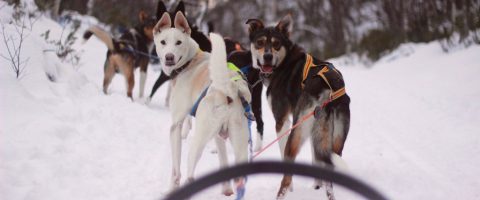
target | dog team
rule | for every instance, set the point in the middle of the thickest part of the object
(201, 85)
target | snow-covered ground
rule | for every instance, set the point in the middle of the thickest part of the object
(414, 131)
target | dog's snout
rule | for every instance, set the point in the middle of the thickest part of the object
(268, 57)
(169, 57)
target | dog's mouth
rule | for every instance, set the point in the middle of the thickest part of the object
(171, 62)
(266, 68)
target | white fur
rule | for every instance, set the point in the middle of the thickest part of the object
(182, 53)
(217, 118)
(258, 142)
(278, 56)
(214, 115)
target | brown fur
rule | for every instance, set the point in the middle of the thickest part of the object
(122, 59)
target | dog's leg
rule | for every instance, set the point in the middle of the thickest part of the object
(317, 184)
(222, 157)
(281, 126)
(238, 133)
(187, 126)
(281, 113)
(109, 72)
(126, 67)
(294, 143)
(167, 98)
(206, 127)
(341, 124)
(143, 78)
(176, 145)
(322, 145)
(257, 112)
(130, 82)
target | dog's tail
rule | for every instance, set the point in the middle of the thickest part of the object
(100, 34)
(224, 79)
(219, 73)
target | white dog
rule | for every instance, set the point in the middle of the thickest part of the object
(220, 114)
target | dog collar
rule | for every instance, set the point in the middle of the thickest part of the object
(179, 70)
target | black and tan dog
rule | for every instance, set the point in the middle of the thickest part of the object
(298, 84)
(129, 51)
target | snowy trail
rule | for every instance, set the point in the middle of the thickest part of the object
(414, 131)
(415, 108)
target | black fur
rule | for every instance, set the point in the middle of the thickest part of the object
(288, 97)
(87, 35)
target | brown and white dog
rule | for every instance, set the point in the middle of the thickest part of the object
(220, 114)
(128, 52)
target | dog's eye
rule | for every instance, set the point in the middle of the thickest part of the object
(260, 43)
(178, 42)
(163, 42)
(276, 44)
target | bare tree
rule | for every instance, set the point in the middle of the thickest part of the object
(14, 42)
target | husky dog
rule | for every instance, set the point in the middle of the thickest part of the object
(231, 46)
(298, 84)
(220, 114)
(199, 37)
(127, 52)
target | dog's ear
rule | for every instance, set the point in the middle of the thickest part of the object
(163, 23)
(285, 25)
(182, 23)
(180, 7)
(161, 8)
(254, 25)
(142, 16)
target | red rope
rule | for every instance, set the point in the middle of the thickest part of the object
(303, 119)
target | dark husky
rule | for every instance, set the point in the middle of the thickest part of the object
(298, 84)
(127, 52)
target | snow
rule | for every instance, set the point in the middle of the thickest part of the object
(414, 131)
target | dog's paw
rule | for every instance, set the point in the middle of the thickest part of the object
(317, 184)
(227, 190)
(258, 143)
(281, 194)
(147, 100)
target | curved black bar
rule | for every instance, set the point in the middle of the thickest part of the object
(277, 168)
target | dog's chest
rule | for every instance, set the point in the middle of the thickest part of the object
(187, 86)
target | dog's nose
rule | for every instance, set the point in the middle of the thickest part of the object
(169, 57)
(267, 57)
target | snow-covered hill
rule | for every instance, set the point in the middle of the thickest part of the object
(414, 131)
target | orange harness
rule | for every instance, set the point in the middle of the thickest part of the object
(306, 69)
